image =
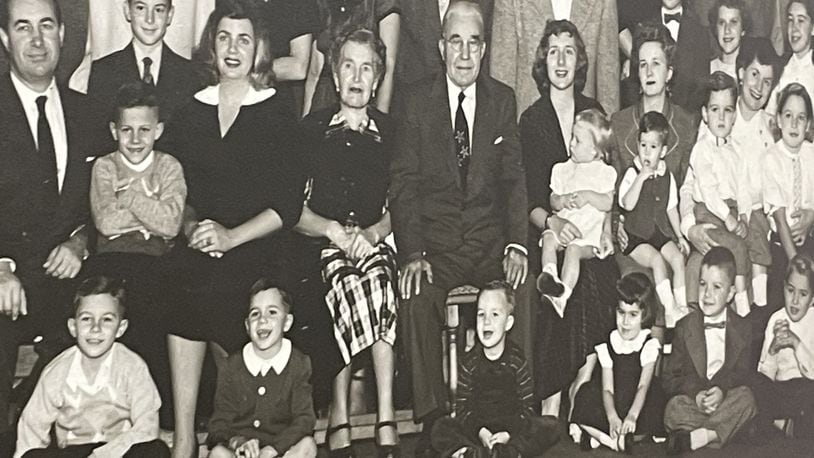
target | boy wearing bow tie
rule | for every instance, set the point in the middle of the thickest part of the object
(707, 372)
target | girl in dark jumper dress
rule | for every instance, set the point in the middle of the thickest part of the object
(622, 403)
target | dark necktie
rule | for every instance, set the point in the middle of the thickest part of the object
(721, 325)
(148, 75)
(46, 152)
(463, 149)
(672, 17)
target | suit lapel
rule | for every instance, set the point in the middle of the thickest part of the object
(697, 344)
(482, 129)
(734, 342)
(439, 116)
(16, 115)
(131, 67)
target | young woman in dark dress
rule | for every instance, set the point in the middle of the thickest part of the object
(545, 129)
(237, 144)
(345, 215)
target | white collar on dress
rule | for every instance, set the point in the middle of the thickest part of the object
(260, 366)
(210, 95)
(626, 347)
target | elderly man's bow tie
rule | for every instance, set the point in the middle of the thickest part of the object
(672, 17)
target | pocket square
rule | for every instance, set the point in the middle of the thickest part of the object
(90, 158)
(498, 140)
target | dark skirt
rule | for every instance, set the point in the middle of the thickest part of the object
(561, 345)
(590, 411)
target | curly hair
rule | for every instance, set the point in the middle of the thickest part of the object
(362, 36)
(539, 70)
(600, 128)
(261, 75)
(647, 32)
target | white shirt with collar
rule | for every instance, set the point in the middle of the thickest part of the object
(632, 172)
(789, 363)
(797, 70)
(673, 26)
(778, 183)
(719, 174)
(562, 9)
(469, 102)
(715, 340)
(154, 55)
(56, 120)
(261, 366)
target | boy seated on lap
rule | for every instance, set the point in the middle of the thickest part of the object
(494, 412)
(97, 395)
(708, 371)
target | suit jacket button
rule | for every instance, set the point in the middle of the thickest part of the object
(256, 423)
(261, 391)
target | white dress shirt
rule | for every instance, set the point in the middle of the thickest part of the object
(261, 366)
(719, 175)
(562, 9)
(789, 363)
(55, 116)
(778, 185)
(673, 26)
(154, 55)
(797, 70)
(715, 340)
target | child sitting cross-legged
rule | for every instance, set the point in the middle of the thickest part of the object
(494, 413)
(622, 403)
(784, 385)
(263, 405)
(710, 366)
(97, 395)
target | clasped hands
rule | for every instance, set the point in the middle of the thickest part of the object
(709, 400)
(489, 439)
(356, 243)
(784, 337)
(251, 448)
(210, 237)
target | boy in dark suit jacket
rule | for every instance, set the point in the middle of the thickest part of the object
(692, 55)
(146, 58)
(708, 370)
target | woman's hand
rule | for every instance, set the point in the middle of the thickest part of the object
(361, 247)
(621, 235)
(211, 237)
(605, 245)
(699, 237)
(339, 236)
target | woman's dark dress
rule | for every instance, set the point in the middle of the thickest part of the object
(561, 344)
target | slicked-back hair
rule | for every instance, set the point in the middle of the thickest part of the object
(539, 70)
(636, 288)
(265, 284)
(5, 12)
(365, 37)
(135, 94)
(654, 121)
(102, 284)
(261, 75)
(715, 10)
(504, 287)
(451, 10)
(721, 258)
(760, 50)
(720, 81)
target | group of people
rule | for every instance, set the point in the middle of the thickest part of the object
(251, 191)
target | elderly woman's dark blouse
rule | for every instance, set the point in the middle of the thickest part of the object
(349, 170)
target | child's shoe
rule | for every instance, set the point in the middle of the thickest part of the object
(678, 442)
(549, 285)
(504, 451)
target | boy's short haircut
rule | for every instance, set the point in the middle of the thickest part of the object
(721, 258)
(636, 288)
(102, 284)
(800, 91)
(135, 94)
(761, 50)
(653, 121)
(504, 287)
(802, 265)
(746, 18)
(169, 2)
(720, 81)
(264, 284)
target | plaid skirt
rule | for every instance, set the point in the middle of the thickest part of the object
(362, 298)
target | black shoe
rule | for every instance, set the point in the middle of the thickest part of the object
(678, 442)
(546, 284)
(342, 452)
(585, 441)
(627, 442)
(504, 451)
(390, 450)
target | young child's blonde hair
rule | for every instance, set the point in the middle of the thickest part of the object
(600, 128)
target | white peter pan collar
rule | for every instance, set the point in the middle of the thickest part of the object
(626, 347)
(259, 366)
(210, 95)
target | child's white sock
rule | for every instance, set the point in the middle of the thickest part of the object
(742, 303)
(698, 438)
(680, 295)
(665, 294)
(575, 432)
(759, 289)
(566, 293)
(551, 269)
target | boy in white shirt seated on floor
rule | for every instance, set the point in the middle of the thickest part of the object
(97, 395)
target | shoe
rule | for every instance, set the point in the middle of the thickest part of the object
(678, 442)
(391, 450)
(585, 442)
(504, 451)
(547, 284)
(342, 452)
(627, 443)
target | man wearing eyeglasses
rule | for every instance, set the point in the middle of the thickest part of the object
(458, 198)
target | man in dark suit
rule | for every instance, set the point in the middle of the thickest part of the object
(44, 181)
(710, 366)
(458, 197)
(146, 58)
(692, 54)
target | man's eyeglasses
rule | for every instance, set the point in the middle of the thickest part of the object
(457, 44)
